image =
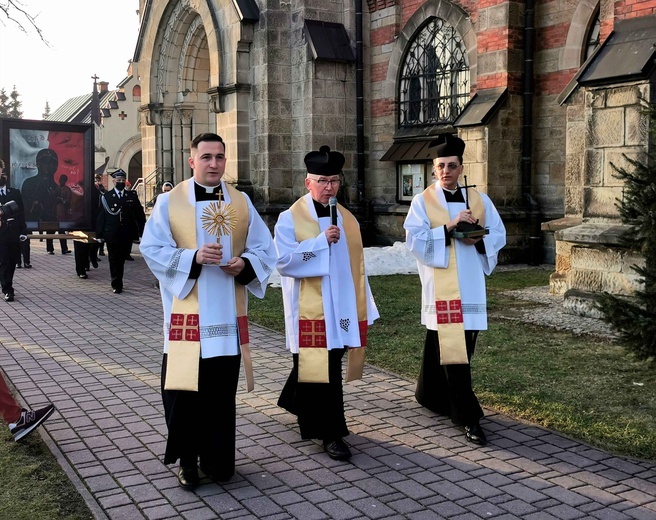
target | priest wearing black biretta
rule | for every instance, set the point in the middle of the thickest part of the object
(452, 261)
(328, 303)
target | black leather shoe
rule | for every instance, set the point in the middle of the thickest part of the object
(51, 252)
(337, 449)
(188, 477)
(18, 266)
(67, 252)
(94, 263)
(118, 291)
(28, 266)
(129, 259)
(9, 297)
(83, 276)
(475, 434)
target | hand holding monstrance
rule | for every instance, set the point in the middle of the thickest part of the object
(220, 219)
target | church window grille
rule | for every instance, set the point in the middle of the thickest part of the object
(434, 82)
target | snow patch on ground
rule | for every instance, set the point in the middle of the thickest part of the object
(394, 259)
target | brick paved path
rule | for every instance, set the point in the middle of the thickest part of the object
(97, 355)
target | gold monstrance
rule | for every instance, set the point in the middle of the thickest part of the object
(219, 219)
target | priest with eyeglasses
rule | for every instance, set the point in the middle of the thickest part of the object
(455, 233)
(328, 302)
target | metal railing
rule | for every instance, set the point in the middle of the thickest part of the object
(149, 187)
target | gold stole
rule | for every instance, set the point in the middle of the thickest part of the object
(448, 305)
(184, 336)
(313, 345)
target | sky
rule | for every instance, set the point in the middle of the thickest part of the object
(86, 38)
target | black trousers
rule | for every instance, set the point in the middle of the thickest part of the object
(447, 389)
(118, 252)
(50, 245)
(9, 257)
(202, 424)
(25, 252)
(84, 252)
(319, 407)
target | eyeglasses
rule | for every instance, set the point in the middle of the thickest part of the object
(451, 166)
(325, 182)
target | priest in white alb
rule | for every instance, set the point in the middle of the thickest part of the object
(208, 247)
(328, 303)
(455, 233)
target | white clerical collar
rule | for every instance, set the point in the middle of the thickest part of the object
(208, 189)
(450, 191)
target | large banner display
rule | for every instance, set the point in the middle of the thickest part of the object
(51, 164)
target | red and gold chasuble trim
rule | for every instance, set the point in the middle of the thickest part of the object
(313, 342)
(448, 305)
(184, 335)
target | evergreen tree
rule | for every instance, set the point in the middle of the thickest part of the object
(4, 103)
(15, 111)
(635, 318)
(46, 111)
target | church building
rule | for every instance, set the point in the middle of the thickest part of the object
(545, 94)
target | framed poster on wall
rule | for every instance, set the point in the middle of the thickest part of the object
(51, 163)
(411, 180)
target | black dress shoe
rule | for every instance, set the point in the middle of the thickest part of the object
(188, 477)
(18, 266)
(83, 276)
(94, 263)
(337, 449)
(67, 252)
(51, 252)
(129, 259)
(118, 291)
(28, 266)
(9, 297)
(475, 434)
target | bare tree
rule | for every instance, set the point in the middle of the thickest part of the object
(16, 13)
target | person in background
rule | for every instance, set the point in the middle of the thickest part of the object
(328, 303)
(12, 231)
(204, 286)
(121, 220)
(452, 269)
(21, 421)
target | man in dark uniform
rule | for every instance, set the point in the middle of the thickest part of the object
(12, 230)
(121, 221)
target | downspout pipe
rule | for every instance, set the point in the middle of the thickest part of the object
(359, 101)
(534, 252)
(365, 208)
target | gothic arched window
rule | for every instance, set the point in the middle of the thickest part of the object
(592, 40)
(434, 82)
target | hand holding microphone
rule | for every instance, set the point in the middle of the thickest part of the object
(332, 232)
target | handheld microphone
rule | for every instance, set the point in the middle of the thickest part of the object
(332, 203)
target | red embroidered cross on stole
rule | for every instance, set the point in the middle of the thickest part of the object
(448, 311)
(312, 333)
(184, 327)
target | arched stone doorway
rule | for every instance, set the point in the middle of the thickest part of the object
(134, 168)
(193, 64)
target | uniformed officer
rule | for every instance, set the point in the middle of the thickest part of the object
(121, 221)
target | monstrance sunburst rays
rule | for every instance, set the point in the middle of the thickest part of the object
(219, 219)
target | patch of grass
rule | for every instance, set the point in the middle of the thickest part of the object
(33, 486)
(586, 388)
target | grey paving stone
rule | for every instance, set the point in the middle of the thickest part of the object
(103, 376)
